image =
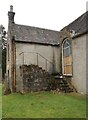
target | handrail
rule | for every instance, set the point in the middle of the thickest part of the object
(45, 58)
(26, 52)
(38, 54)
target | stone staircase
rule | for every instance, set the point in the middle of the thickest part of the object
(37, 79)
(61, 84)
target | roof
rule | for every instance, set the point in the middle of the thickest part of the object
(30, 34)
(79, 26)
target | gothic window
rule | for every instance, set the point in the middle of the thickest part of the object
(67, 57)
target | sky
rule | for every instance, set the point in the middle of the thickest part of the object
(49, 14)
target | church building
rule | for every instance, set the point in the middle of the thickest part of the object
(57, 52)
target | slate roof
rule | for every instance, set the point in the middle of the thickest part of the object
(80, 25)
(30, 34)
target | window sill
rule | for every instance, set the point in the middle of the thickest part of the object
(70, 75)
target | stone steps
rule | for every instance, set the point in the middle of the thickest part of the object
(60, 84)
(37, 79)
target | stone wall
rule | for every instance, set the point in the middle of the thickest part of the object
(34, 78)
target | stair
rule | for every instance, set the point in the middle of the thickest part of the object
(60, 84)
(37, 79)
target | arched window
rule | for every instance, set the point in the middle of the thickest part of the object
(67, 57)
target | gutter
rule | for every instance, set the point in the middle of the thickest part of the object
(52, 44)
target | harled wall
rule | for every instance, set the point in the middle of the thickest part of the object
(79, 63)
(51, 53)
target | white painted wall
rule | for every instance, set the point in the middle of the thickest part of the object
(79, 63)
(51, 53)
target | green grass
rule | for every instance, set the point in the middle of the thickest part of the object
(0, 101)
(44, 105)
(0, 90)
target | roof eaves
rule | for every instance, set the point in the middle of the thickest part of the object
(80, 34)
(43, 43)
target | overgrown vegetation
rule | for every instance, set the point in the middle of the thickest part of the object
(44, 105)
(3, 49)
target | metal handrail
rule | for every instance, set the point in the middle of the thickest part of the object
(38, 54)
(45, 58)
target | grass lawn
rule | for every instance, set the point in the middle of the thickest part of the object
(44, 105)
(0, 101)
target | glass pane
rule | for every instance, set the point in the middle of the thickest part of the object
(67, 48)
(66, 44)
(66, 52)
